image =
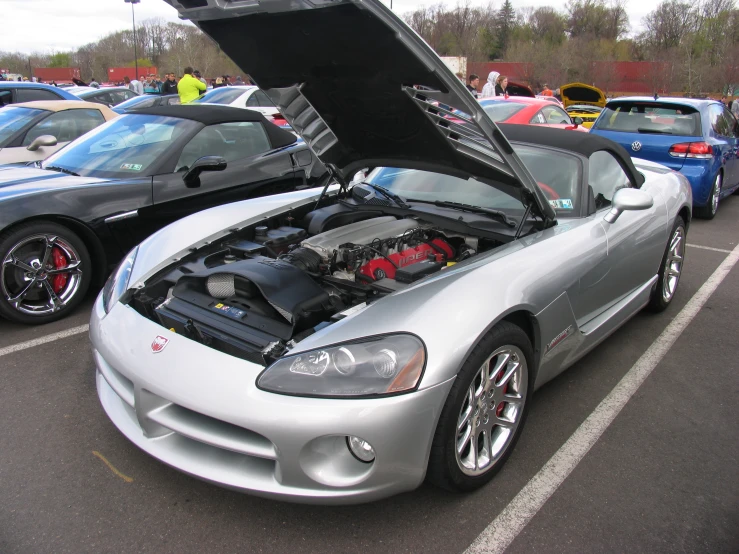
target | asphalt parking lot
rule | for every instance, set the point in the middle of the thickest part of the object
(663, 476)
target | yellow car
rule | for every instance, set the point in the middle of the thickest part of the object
(583, 101)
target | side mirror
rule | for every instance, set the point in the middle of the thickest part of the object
(206, 163)
(577, 121)
(43, 140)
(628, 199)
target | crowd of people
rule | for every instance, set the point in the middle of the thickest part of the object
(497, 85)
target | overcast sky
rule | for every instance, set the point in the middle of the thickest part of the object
(55, 25)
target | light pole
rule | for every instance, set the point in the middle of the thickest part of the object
(135, 44)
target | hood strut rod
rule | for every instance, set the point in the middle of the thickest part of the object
(335, 174)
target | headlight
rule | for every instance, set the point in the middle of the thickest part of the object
(375, 366)
(118, 282)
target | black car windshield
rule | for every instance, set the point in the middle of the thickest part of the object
(500, 110)
(13, 120)
(223, 95)
(130, 145)
(650, 117)
(557, 173)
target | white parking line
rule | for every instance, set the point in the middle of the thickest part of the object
(43, 340)
(711, 248)
(511, 521)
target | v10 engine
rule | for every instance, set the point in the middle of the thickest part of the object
(378, 248)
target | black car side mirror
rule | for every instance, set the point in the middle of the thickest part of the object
(206, 163)
(577, 121)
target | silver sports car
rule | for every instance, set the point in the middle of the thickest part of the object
(343, 344)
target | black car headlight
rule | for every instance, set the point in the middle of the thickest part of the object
(118, 282)
(375, 366)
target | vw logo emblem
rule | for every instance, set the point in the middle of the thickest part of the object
(636, 146)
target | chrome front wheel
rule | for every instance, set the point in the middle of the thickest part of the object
(44, 272)
(485, 411)
(491, 410)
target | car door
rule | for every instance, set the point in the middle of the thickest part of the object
(254, 169)
(634, 242)
(65, 126)
(723, 145)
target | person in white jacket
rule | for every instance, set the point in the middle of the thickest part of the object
(489, 89)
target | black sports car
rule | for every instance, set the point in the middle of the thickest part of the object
(66, 221)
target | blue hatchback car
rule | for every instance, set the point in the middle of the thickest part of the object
(698, 138)
(15, 92)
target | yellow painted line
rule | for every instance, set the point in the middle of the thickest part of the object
(126, 478)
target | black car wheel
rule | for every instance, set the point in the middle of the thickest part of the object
(45, 271)
(671, 268)
(485, 411)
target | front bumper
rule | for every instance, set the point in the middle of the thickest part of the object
(199, 410)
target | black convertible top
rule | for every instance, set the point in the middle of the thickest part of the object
(212, 115)
(580, 143)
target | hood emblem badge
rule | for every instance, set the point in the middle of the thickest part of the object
(159, 343)
(636, 146)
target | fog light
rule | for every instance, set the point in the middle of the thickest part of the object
(361, 449)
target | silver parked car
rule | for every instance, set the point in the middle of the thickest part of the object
(343, 344)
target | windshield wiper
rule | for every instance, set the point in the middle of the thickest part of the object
(653, 131)
(469, 208)
(61, 170)
(391, 195)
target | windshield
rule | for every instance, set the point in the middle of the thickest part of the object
(129, 145)
(557, 173)
(13, 120)
(650, 117)
(502, 109)
(222, 95)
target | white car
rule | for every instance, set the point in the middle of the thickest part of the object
(250, 98)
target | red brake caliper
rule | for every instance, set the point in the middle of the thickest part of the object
(59, 281)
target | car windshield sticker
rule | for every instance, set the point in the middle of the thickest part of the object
(229, 311)
(132, 167)
(561, 204)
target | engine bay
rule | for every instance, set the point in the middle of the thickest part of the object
(262, 289)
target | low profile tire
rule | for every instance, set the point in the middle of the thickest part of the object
(671, 268)
(45, 271)
(485, 411)
(709, 210)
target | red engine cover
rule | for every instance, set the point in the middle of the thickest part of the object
(380, 267)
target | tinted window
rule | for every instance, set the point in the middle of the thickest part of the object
(130, 145)
(34, 94)
(263, 99)
(605, 176)
(252, 101)
(99, 98)
(502, 110)
(233, 141)
(66, 126)
(650, 117)
(557, 173)
(223, 95)
(13, 120)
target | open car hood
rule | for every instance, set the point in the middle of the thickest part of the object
(344, 82)
(517, 89)
(580, 93)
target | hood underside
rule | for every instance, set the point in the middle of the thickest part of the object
(345, 83)
(580, 93)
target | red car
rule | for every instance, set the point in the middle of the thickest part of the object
(530, 111)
